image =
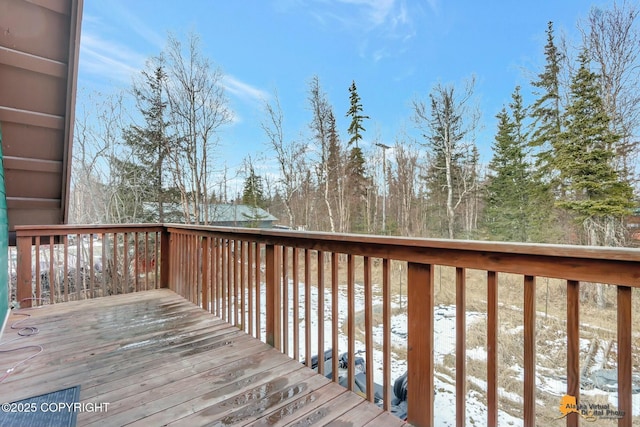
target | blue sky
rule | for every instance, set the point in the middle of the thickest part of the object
(395, 50)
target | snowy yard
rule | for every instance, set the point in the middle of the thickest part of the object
(551, 383)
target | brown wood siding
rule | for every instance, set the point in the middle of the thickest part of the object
(39, 43)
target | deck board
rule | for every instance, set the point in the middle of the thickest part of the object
(158, 359)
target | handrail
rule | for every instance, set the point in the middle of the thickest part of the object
(54, 264)
(236, 273)
(582, 263)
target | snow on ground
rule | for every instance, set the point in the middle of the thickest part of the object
(444, 343)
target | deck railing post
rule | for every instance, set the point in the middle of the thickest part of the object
(529, 364)
(273, 255)
(625, 356)
(420, 344)
(24, 291)
(165, 259)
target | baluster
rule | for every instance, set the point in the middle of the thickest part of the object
(529, 351)
(386, 343)
(420, 297)
(492, 348)
(24, 291)
(320, 309)
(461, 346)
(296, 303)
(272, 256)
(368, 327)
(573, 347)
(334, 314)
(625, 356)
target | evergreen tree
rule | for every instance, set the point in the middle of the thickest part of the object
(334, 158)
(253, 192)
(518, 206)
(509, 193)
(356, 156)
(595, 194)
(358, 181)
(253, 196)
(149, 143)
(546, 111)
(131, 189)
(355, 112)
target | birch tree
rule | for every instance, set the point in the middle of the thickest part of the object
(199, 108)
(325, 139)
(289, 155)
(446, 123)
(88, 202)
(402, 185)
(612, 37)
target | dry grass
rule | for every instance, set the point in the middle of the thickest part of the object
(596, 323)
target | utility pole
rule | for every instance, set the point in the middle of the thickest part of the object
(384, 191)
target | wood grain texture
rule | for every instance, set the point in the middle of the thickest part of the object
(420, 298)
(573, 347)
(529, 351)
(625, 356)
(461, 347)
(158, 359)
(492, 348)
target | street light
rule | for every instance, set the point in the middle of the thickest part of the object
(384, 178)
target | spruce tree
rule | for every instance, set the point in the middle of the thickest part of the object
(546, 111)
(253, 192)
(596, 194)
(517, 208)
(149, 142)
(356, 156)
(355, 112)
(503, 213)
(253, 196)
(356, 162)
(507, 211)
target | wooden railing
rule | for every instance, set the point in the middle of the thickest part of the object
(63, 263)
(264, 282)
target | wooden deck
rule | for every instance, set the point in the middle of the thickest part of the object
(157, 359)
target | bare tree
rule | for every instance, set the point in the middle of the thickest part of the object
(403, 183)
(446, 123)
(100, 191)
(613, 41)
(198, 109)
(89, 159)
(471, 185)
(288, 154)
(326, 143)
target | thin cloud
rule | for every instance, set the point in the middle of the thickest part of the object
(390, 16)
(381, 25)
(107, 59)
(434, 5)
(378, 11)
(138, 25)
(243, 90)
